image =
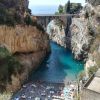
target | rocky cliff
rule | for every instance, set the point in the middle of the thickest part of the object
(80, 38)
(56, 32)
(27, 44)
(93, 2)
(13, 11)
(23, 39)
(94, 52)
(86, 33)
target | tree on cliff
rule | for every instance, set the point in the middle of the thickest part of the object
(70, 8)
(60, 9)
(67, 7)
(12, 12)
(75, 7)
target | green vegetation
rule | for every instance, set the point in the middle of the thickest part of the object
(86, 15)
(28, 20)
(71, 8)
(6, 17)
(60, 9)
(7, 12)
(81, 75)
(13, 12)
(59, 23)
(9, 65)
(94, 49)
(74, 7)
(92, 70)
(67, 7)
(91, 31)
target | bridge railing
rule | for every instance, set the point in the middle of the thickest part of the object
(41, 15)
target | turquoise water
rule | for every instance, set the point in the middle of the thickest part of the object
(58, 67)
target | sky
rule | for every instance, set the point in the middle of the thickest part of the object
(48, 6)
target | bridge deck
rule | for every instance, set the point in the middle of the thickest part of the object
(41, 15)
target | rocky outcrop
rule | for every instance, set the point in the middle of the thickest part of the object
(15, 3)
(84, 30)
(80, 39)
(56, 32)
(23, 39)
(94, 2)
(89, 63)
(85, 40)
(13, 11)
(93, 10)
(29, 45)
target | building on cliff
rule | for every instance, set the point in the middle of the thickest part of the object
(91, 90)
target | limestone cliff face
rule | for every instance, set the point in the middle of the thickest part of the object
(80, 38)
(23, 39)
(56, 32)
(94, 2)
(83, 30)
(29, 45)
(13, 11)
(93, 10)
(85, 36)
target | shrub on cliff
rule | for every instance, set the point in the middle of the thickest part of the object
(9, 66)
(69, 8)
(28, 20)
(92, 70)
(81, 75)
(86, 15)
(7, 17)
(60, 9)
(12, 11)
(91, 30)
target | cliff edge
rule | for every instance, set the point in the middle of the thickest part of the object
(23, 44)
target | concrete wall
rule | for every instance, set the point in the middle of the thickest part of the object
(89, 95)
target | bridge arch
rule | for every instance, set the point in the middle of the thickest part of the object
(44, 20)
(64, 38)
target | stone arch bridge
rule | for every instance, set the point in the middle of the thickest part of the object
(45, 19)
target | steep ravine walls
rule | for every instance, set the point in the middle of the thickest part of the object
(80, 38)
(93, 10)
(27, 44)
(56, 32)
(85, 37)
(73, 35)
(59, 30)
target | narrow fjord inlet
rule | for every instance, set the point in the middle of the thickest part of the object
(50, 50)
(60, 66)
(57, 69)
